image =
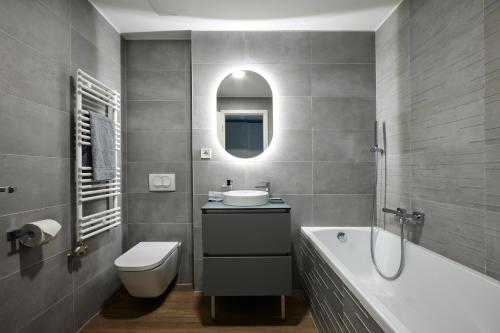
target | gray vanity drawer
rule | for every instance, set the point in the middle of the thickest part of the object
(246, 234)
(247, 276)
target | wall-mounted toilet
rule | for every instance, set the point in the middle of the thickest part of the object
(147, 269)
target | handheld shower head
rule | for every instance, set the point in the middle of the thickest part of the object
(375, 148)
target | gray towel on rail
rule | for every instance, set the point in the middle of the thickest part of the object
(102, 136)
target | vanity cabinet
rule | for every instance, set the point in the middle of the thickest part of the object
(246, 250)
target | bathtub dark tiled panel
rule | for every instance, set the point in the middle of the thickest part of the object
(334, 308)
(438, 88)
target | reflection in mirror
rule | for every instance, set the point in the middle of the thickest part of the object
(244, 114)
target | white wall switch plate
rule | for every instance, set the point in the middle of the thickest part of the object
(162, 182)
(206, 153)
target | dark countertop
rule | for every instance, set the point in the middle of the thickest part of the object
(220, 205)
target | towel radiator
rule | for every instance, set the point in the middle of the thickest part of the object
(94, 96)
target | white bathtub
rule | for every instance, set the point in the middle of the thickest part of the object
(434, 294)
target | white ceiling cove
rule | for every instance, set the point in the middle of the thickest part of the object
(138, 16)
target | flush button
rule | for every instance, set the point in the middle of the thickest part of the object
(162, 182)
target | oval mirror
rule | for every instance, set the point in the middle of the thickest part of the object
(244, 114)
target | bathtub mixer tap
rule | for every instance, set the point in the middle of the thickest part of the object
(404, 217)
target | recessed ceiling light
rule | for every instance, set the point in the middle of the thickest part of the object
(239, 74)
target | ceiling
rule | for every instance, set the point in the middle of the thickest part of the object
(139, 16)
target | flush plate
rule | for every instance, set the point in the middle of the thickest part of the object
(162, 182)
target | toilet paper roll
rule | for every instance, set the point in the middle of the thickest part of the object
(39, 232)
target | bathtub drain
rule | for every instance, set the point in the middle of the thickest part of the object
(342, 237)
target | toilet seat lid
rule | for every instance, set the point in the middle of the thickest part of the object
(145, 256)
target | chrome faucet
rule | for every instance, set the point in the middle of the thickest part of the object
(412, 218)
(266, 187)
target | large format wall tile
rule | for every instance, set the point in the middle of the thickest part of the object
(270, 47)
(162, 207)
(156, 115)
(144, 55)
(53, 276)
(158, 141)
(41, 181)
(343, 178)
(54, 319)
(157, 146)
(342, 210)
(437, 89)
(336, 124)
(156, 85)
(342, 47)
(46, 31)
(341, 113)
(345, 80)
(42, 43)
(217, 47)
(16, 128)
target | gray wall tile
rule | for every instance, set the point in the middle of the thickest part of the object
(41, 181)
(342, 210)
(95, 28)
(284, 59)
(343, 178)
(16, 128)
(437, 69)
(39, 51)
(156, 146)
(156, 85)
(31, 75)
(159, 207)
(270, 47)
(209, 176)
(343, 113)
(293, 113)
(159, 141)
(346, 146)
(156, 55)
(158, 232)
(343, 47)
(45, 30)
(210, 47)
(53, 276)
(285, 177)
(54, 319)
(343, 80)
(93, 295)
(156, 115)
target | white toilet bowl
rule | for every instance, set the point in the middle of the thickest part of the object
(147, 269)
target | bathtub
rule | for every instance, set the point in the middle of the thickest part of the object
(433, 294)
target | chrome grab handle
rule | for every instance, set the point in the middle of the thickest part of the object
(8, 189)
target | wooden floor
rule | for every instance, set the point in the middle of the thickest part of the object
(182, 310)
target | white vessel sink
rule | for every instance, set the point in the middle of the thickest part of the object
(246, 198)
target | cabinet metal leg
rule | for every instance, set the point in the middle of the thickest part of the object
(282, 307)
(212, 307)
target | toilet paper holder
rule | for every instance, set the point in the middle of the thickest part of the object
(18, 233)
(35, 233)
